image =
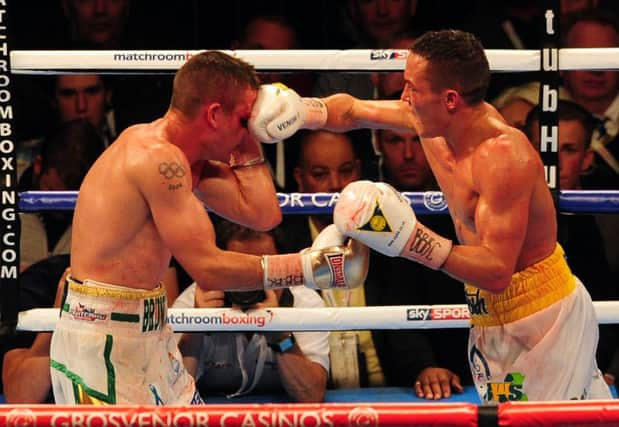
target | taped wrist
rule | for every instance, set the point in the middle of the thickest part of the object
(427, 247)
(252, 162)
(282, 271)
(315, 113)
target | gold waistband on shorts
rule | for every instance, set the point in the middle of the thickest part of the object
(531, 290)
(104, 290)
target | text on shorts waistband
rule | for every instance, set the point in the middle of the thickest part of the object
(96, 302)
(531, 290)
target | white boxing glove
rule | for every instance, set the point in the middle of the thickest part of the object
(330, 263)
(279, 112)
(379, 216)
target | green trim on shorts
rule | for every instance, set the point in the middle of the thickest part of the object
(117, 317)
(125, 317)
(78, 381)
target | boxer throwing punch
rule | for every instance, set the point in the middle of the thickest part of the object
(144, 200)
(534, 330)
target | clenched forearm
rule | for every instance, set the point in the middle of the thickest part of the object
(245, 195)
(477, 265)
(346, 113)
(303, 379)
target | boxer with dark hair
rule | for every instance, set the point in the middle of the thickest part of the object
(535, 331)
(142, 202)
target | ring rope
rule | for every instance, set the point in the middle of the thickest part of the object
(308, 319)
(145, 61)
(429, 202)
(357, 60)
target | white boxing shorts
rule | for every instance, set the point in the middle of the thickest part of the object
(112, 345)
(536, 340)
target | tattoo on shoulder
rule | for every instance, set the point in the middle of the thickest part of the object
(171, 170)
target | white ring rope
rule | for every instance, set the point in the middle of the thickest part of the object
(359, 60)
(308, 319)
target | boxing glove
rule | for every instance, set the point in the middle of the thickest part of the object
(279, 112)
(329, 264)
(379, 216)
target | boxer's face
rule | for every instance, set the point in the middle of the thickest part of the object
(232, 132)
(404, 160)
(424, 101)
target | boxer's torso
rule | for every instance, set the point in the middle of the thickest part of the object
(460, 177)
(115, 239)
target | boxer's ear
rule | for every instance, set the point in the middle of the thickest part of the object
(452, 98)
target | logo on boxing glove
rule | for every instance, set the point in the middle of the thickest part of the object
(377, 222)
(336, 266)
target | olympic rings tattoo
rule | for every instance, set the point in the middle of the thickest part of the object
(171, 170)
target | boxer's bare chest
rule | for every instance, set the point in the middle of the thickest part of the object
(455, 177)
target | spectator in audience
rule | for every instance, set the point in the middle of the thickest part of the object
(371, 86)
(387, 84)
(87, 97)
(579, 234)
(25, 367)
(507, 24)
(515, 102)
(277, 33)
(97, 23)
(403, 162)
(373, 23)
(242, 363)
(597, 91)
(61, 166)
(73, 97)
(327, 163)
(440, 364)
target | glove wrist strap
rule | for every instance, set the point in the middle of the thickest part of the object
(282, 271)
(315, 113)
(427, 247)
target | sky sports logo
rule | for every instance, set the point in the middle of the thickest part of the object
(438, 313)
(387, 55)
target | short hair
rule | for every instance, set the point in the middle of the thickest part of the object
(226, 231)
(71, 151)
(353, 137)
(279, 20)
(456, 59)
(211, 76)
(567, 111)
(602, 17)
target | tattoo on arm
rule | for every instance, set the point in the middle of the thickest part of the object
(172, 170)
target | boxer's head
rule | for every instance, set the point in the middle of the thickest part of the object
(445, 71)
(213, 94)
